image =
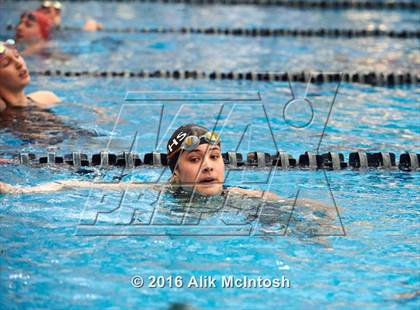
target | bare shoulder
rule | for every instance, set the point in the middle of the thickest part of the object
(254, 193)
(92, 25)
(44, 98)
(3, 105)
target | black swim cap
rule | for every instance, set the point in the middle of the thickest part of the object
(175, 141)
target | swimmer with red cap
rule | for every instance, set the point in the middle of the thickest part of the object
(53, 10)
(33, 27)
(33, 30)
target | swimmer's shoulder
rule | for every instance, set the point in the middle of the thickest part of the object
(44, 98)
(92, 25)
(3, 105)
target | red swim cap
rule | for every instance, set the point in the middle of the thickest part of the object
(44, 23)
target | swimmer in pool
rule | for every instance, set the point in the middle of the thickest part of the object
(33, 30)
(25, 115)
(197, 167)
(28, 116)
(195, 160)
(53, 10)
(14, 77)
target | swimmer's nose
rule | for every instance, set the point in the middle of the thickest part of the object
(19, 27)
(207, 165)
(18, 63)
(208, 169)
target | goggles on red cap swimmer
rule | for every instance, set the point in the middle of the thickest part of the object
(191, 142)
(10, 43)
(56, 4)
(29, 16)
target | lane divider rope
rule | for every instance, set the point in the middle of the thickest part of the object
(264, 32)
(369, 78)
(300, 4)
(408, 161)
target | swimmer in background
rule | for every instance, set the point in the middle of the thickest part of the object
(33, 30)
(53, 10)
(35, 27)
(14, 77)
(27, 115)
(16, 107)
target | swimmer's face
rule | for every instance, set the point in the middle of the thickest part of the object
(202, 169)
(28, 30)
(14, 74)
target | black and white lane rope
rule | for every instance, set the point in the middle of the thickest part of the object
(408, 161)
(300, 4)
(274, 32)
(265, 32)
(369, 78)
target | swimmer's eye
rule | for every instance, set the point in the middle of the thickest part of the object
(28, 23)
(215, 156)
(194, 159)
(5, 62)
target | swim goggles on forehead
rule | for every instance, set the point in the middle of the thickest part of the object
(192, 142)
(56, 4)
(7, 44)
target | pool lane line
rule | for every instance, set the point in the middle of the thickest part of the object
(264, 32)
(296, 4)
(310, 160)
(368, 78)
(272, 32)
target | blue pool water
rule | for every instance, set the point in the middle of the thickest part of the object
(157, 51)
(366, 255)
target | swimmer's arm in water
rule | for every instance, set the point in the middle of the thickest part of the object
(269, 196)
(64, 184)
(60, 185)
(4, 161)
(103, 113)
(314, 204)
(255, 193)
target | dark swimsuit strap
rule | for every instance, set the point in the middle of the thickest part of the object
(31, 101)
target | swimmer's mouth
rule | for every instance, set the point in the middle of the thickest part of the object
(23, 74)
(208, 180)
